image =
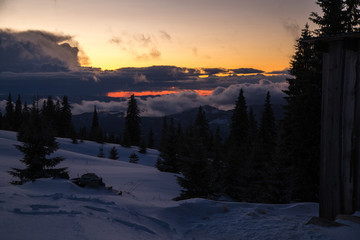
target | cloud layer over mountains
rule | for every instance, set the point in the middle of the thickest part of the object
(43, 63)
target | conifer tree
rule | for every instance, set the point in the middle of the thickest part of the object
(150, 143)
(112, 138)
(95, 121)
(96, 132)
(238, 149)
(25, 113)
(9, 114)
(267, 129)
(333, 19)
(196, 167)
(352, 15)
(17, 114)
(253, 130)
(239, 122)
(38, 142)
(133, 158)
(66, 127)
(113, 154)
(132, 124)
(262, 170)
(142, 147)
(164, 132)
(101, 152)
(48, 110)
(301, 125)
(168, 158)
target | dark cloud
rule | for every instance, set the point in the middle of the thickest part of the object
(285, 71)
(212, 71)
(246, 70)
(93, 82)
(38, 51)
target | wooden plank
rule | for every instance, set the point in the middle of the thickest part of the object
(356, 138)
(330, 182)
(323, 191)
(348, 107)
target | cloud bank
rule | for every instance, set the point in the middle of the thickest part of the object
(42, 63)
(222, 98)
(38, 51)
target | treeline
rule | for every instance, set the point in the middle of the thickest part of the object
(274, 162)
(56, 115)
(245, 166)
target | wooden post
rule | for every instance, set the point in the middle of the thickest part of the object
(356, 137)
(330, 188)
(340, 129)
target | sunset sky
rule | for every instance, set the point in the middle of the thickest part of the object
(189, 33)
(173, 55)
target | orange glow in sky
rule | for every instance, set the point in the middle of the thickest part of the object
(155, 93)
(229, 34)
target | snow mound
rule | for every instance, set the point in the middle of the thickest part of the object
(58, 209)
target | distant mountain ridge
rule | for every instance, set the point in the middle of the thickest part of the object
(113, 122)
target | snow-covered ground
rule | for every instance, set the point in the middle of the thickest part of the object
(58, 209)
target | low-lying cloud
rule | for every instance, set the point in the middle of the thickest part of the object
(222, 98)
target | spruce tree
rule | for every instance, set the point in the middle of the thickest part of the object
(333, 19)
(352, 15)
(38, 142)
(150, 142)
(17, 114)
(101, 152)
(253, 130)
(25, 113)
(142, 147)
(66, 127)
(132, 124)
(195, 164)
(164, 132)
(168, 158)
(237, 149)
(133, 158)
(113, 154)
(96, 132)
(239, 122)
(301, 124)
(9, 114)
(262, 171)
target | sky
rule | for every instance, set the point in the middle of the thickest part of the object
(187, 33)
(114, 47)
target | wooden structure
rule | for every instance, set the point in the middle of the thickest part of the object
(340, 126)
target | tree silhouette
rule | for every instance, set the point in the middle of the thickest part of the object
(96, 132)
(17, 114)
(301, 124)
(38, 142)
(132, 124)
(113, 154)
(9, 114)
